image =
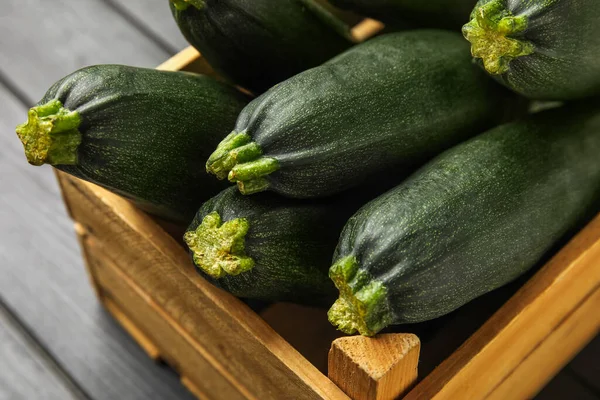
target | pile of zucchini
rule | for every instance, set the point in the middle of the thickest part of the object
(391, 181)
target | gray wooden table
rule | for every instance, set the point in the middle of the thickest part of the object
(56, 342)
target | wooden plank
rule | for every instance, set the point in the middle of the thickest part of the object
(215, 320)
(538, 368)
(27, 372)
(379, 368)
(156, 16)
(46, 40)
(43, 280)
(560, 296)
(175, 346)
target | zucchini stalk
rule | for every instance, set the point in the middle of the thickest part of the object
(218, 248)
(492, 31)
(51, 134)
(541, 49)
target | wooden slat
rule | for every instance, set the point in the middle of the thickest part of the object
(174, 345)
(520, 339)
(43, 280)
(26, 371)
(46, 40)
(232, 336)
(380, 368)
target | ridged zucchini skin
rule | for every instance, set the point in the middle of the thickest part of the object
(382, 107)
(268, 247)
(542, 49)
(450, 14)
(473, 219)
(143, 133)
(259, 43)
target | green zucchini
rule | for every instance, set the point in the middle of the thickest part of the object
(450, 14)
(542, 49)
(259, 43)
(268, 247)
(383, 106)
(141, 133)
(473, 219)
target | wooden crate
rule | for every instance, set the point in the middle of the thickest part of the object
(224, 350)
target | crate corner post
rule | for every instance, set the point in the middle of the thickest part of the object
(380, 368)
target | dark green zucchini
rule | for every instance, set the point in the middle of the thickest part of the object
(542, 49)
(259, 43)
(473, 219)
(141, 133)
(268, 247)
(382, 107)
(418, 13)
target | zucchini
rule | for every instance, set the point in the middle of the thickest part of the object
(473, 219)
(268, 247)
(138, 132)
(259, 43)
(383, 106)
(542, 49)
(450, 14)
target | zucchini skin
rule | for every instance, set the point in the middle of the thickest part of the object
(259, 43)
(145, 133)
(551, 47)
(449, 14)
(383, 107)
(290, 242)
(473, 219)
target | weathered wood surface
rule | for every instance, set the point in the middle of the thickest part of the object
(27, 372)
(42, 276)
(42, 41)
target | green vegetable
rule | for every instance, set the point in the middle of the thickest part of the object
(268, 247)
(259, 43)
(380, 108)
(473, 219)
(141, 133)
(542, 49)
(425, 13)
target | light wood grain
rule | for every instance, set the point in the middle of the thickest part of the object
(379, 368)
(26, 372)
(520, 339)
(231, 336)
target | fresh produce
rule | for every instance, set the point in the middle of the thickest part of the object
(468, 222)
(542, 49)
(429, 13)
(259, 43)
(141, 133)
(380, 108)
(269, 247)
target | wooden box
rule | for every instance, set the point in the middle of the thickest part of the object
(224, 350)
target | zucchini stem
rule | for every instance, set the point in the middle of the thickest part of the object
(491, 32)
(182, 5)
(240, 160)
(362, 306)
(51, 134)
(218, 248)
